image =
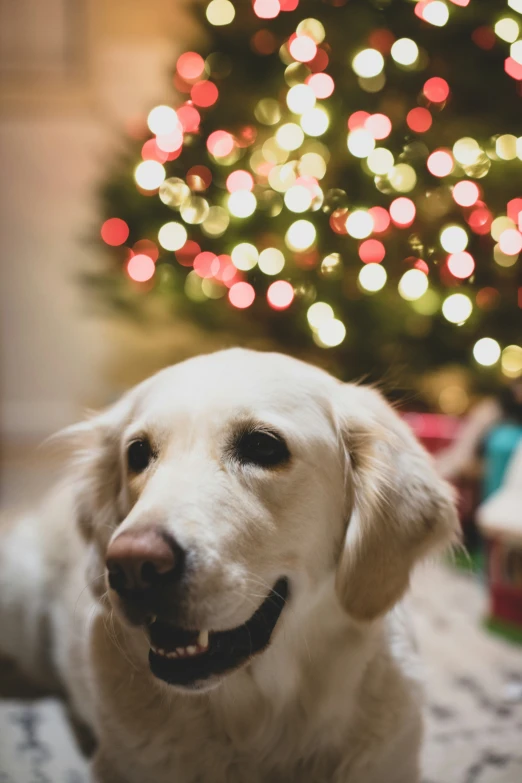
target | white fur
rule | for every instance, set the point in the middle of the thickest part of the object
(336, 695)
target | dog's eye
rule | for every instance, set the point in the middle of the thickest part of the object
(261, 448)
(139, 454)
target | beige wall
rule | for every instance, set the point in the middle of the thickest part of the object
(55, 134)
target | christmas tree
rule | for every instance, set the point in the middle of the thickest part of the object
(340, 178)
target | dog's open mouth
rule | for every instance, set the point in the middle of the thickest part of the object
(182, 657)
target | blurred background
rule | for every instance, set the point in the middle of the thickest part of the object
(336, 179)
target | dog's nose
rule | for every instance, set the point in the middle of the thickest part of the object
(138, 560)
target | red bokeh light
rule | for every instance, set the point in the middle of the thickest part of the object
(402, 211)
(140, 268)
(241, 295)
(322, 84)
(280, 295)
(267, 9)
(419, 263)
(114, 232)
(382, 40)
(440, 163)
(189, 118)
(239, 180)
(303, 48)
(151, 151)
(379, 125)
(205, 264)
(514, 211)
(199, 178)
(220, 143)
(510, 242)
(357, 120)
(466, 193)
(338, 221)
(371, 251)
(180, 84)
(204, 93)
(320, 61)
(480, 219)
(487, 298)
(461, 265)
(419, 120)
(170, 142)
(186, 255)
(288, 5)
(263, 42)
(484, 37)
(513, 68)
(436, 89)
(146, 247)
(381, 219)
(190, 66)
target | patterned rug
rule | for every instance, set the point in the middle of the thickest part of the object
(474, 699)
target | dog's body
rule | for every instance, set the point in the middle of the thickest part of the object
(333, 693)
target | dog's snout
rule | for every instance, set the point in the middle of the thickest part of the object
(138, 560)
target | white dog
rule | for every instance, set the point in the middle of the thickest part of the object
(246, 525)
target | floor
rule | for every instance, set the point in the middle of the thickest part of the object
(474, 680)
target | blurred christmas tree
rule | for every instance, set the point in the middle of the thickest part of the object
(343, 178)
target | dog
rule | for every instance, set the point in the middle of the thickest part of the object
(217, 581)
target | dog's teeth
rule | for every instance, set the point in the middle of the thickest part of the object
(172, 654)
(152, 618)
(203, 639)
(180, 650)
(191, 650)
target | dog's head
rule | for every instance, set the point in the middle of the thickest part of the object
(228, 487)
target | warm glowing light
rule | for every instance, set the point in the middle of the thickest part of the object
(303, 48)
(461, 265)
(241, 295)
(360, 143)
(244, 256)
(194, 210)
(312, 165)
(298, 198)
(507, 29)
(372, 277)
(499, 225)
(280, 295)
(419, 120)
(413, 284)
(140, 268)
(204, 94)
(466, 193)
(506, 146)
(162, 120)
(371, 251)
(502, 259)
(220, 143)
(220, 12)
(379, 125)
(381, 219)
(289, 136)
(486, 351)
(173, 192)
(206, 264)
(440, 163)
(380, 161)
(405, 51)
(268, 111)
(313, 28)
(318, 314)
(170, 142)
(402, 177)
(513, 69)
(190, 66)
(300, 98)
(516, 5)
(114, 232)
(457, 308)
(189, 118)
(454, 239)
(368, 63)
(300, 235)
(172, 236)
(402, 211)
(357, 120)
(239, 180)
(216, 222)
(510, 242)
(149, 175)
(515, 50)
(436, 13)
(436, 89)
(321, 84)
(512, 361)
(331, 333)
(271, 261)
(359, 224)
(242, 203)
(466, 151)
(315, 122)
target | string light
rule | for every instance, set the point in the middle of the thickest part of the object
(331, 333)
(140, 268)
(114, 231)
(315, 122)
(244, 256)
(461, 265)
(149, 175)
(413, 284)
(280, 295)
(436, 13)
(454, 239)
(300, 98)
(402, 211)
(457, 308)
(220, 12)
(289, 136)
(372, 277)
(241, 295)
(368, 63)
(242, 203)
(300, 235)
(466, 193)
(405, 52)
(511, 361)
(162, 120)
(359, 224)
(360, 143)
(271, 261)
(172, 236)
(486, 351)
(319, 313)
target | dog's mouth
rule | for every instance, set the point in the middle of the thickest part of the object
(187, 658)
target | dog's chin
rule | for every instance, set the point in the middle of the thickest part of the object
(198, 661)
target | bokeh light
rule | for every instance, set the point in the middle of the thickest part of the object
(510, 242)
(507, 29)
(331, 333)
(220, 143)
(371, 251)
(280, 295)
(405, 51)
(303, 48)
(149, 174)
(457, 308)
(300, 98)
(419, 120)
(381, 219)
(315, 122)
(380, 161)
(220, 12)
(359, 224)
(436, 89)
(435, 12)
(244, 256)
(172, 236)
(466, 193)
(321, 84)
(204, 94)
(319, 313)
(241, 295)
(242, 203)
(162, 120)
(239, 180)
(360, 143)
(413, 284)
(461, 265)
(300, 235)
(440, 163)
(368, 63)
(271, 261)
(402, 211)
(379, 126)
(454, 239)
(190, 66)
(140, 268)
(114, 232)
(486, 351)
(289, 136)
(298, 198)
(511, 361)
(372, 277)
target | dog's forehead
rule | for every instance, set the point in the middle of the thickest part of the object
(237, 381)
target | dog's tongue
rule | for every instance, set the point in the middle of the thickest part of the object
(169, 637)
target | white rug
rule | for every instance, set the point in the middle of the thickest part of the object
(474, 689)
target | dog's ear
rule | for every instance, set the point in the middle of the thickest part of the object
(399, 509)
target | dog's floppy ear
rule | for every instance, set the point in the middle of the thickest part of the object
(399, 509)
